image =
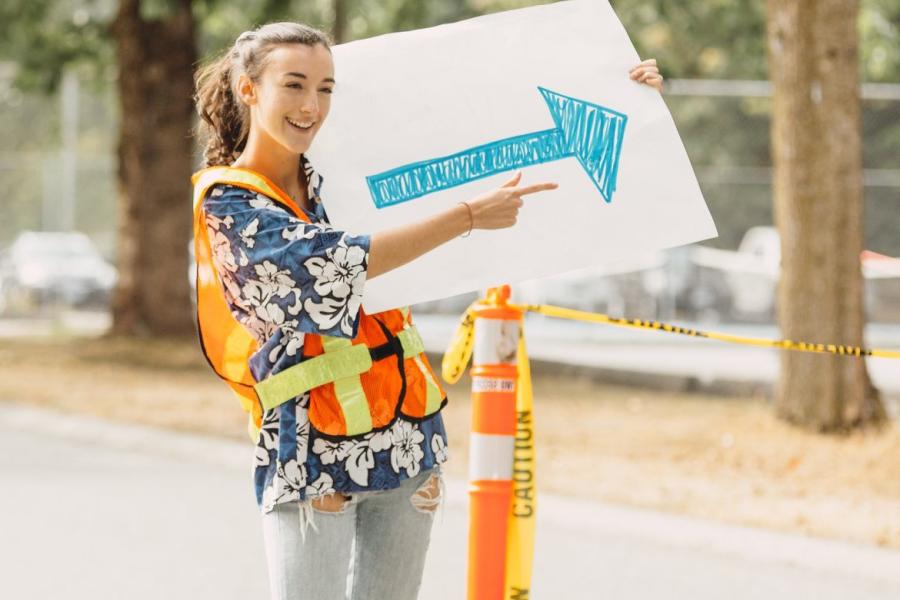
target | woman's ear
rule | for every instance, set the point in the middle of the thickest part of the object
(246, 89)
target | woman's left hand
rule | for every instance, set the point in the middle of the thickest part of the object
(647, 72)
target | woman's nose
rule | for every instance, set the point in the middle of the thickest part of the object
(310, 104)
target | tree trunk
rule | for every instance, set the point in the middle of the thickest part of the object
(156, 60)
(339, 27)
(816, 150)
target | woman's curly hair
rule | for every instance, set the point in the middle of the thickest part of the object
(224, 119)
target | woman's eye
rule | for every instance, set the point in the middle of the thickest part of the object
(295, 85)
(327, 90)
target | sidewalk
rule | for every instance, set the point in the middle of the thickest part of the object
(94, 509)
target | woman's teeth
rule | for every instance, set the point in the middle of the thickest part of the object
(301, 124)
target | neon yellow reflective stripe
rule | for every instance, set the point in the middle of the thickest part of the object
(325, 368)
(331, 343)
(413, 346)
(432, 391)
(352, 398)
(411, 341)
(349, 390)
(341, 364)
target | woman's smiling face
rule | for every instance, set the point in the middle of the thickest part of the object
(290, 102)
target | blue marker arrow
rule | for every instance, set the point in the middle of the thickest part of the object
(589, 132)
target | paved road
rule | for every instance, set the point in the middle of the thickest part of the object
(93, 510)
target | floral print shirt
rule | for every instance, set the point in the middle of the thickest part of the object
(284, 278)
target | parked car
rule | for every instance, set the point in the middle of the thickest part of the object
(743, 282)
(751, 274)
(43, 268)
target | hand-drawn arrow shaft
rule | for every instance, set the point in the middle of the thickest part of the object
(421, 178)
(591, 133)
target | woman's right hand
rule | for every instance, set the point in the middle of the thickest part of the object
(392, 248)
(499, 208)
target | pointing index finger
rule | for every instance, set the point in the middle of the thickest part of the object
(536, 187)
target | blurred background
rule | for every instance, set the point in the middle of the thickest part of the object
(96, 320)
(61, 119)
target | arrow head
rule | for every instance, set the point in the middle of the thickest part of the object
(592, 133)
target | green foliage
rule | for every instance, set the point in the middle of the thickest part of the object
(368, 18)
(707, 39)
(700, 38)
(220, 22)
(879, 26)
(42, 37)
(690, 39)
(725, 39)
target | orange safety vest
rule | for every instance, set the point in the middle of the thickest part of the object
(355, 386)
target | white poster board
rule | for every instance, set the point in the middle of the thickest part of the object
(421, 120)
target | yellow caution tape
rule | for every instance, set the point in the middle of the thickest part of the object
(523, 510)
(579, 315)
(460, 350)
(521, 524)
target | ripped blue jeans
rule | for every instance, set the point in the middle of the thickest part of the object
(370, 546)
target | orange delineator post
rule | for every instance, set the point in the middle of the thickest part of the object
(494, 374)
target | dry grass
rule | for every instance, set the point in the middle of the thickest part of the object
(160, 382)
(721, 458)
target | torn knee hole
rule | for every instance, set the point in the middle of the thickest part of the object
(333, 503)
(428, 496)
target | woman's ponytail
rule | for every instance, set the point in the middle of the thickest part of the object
(224, 119)
(221, 123)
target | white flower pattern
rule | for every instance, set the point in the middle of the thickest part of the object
(248, 232)
(283, 278)
(339, 282)
(407, 451)
(331, 452)
(439, 447)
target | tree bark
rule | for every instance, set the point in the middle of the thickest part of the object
(339, 27)
(155, 80)
(816, 150)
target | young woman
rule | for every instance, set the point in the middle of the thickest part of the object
(286, 276)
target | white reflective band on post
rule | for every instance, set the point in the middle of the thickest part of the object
(490, 456)
(493, 384)
(496, 341)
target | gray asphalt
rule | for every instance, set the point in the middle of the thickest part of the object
(96, 510)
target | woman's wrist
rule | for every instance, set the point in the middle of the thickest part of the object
(471, 218)
(397, 246)
(457, 220)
